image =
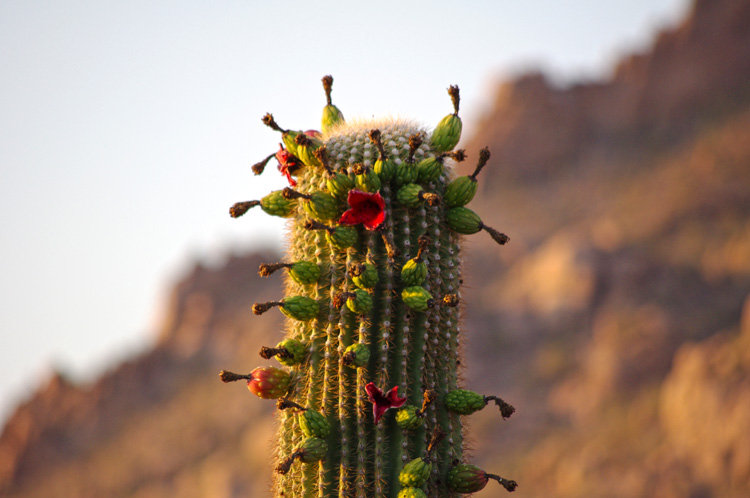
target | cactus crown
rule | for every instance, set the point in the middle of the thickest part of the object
(372, 347)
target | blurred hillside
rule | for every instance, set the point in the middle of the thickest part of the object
(617, 321)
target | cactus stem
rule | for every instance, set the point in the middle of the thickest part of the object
(240, 208)
(498, 237)
(284, 403)
(267, 353)
(227, 376)
(261, 165)
(506, 410)
(375, 137)
(455, 98)
(484, 156)
(414, 142)
(271, 123)
(260, 308)
(506, 483)
(266, 269)
(327, 87)
(290, 194)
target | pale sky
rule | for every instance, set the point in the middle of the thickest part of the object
(127, 129)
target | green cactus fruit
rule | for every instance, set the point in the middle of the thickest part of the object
(295, 348)
(414, 271)
(364, 275)
(269, 382)
(332, 116)
(383, 167)
(300, 308)
(320, 205)
(304, 272)
(366, 179)
(467, 478)
(357, 355)
(448, 131)
(411, 493)
(413, 195)
(305, 151)
(417, 298)
(407, 418)
(465, 221)
(359, 301)
(415, 473)
(461, 191)
(372, 338)
(274, 204)
(313, 424)
(464, 402)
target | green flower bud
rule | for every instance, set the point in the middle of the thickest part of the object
(417, 298)
(411, 493)
(463, 220)
(429, 169)
(357, 355)
(339, 185)
(407, 418)
(313, 424)
(413, 195)
(313, 449)
(359, 302)
(364, 276)
(464, 402)
(460, 191)
(414, 272)
(415, 473)
(342, 237)
(366, 179)
(304, 272)
(448, 131)
(298, 307)
(296, 349)
(305, 152)
(332, 116)
(466, 478)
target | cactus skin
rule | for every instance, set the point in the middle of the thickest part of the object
(380, 310)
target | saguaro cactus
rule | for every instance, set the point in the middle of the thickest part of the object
(368, 385)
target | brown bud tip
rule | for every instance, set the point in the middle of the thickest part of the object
(316, 225)
(227, 376)
(302, 139)
(498, 237)
(450, 300)
(455, 98)
(484, 156)
(321, 154)
(269, 121)
(261, 165)
(283, 404)
(457, 155)
(327, 87)
(414, 142)
(506, 483)
(240, 208)
(260, 308)
(341, 297)
(430, 199)
(506, 410)
(437, 436)
(285, 465)
(390, 247)
(359, 169)
(348, 358)
(266, 269)
(290, 194)
(427, 398)
(268, 353)
(356, 269)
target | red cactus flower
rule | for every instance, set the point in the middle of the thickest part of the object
(288, 164)
(366, 208)
(313, 133)
(382, 402)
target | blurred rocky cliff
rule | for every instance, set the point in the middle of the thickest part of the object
(617, 320)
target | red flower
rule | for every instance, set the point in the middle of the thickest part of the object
(381, 402)
(313, 133)
(368, 209)
(288, 164)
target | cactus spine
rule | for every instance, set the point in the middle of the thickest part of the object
(372, 406)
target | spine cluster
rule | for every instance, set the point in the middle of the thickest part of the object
(367, 383)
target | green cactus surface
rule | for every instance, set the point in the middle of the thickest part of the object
(372, 405)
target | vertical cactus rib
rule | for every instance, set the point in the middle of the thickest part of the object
(373, 406)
